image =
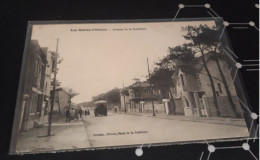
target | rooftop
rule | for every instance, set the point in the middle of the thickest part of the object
(141, 85)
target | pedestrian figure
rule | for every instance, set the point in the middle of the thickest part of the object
(68, 115)
(85, 112)
(80, 113)
(76, 115)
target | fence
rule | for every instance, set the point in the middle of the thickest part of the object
(224, 106)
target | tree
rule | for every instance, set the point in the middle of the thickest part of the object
(112, 96)
(125, 92)
(197, 40)
(183, 57)
(209, 37)
(161, 77)
(71, 94)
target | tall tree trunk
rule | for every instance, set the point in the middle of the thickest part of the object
(211, 82)
(173, 103)
(233, 106)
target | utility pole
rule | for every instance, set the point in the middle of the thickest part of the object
(124, 96)
(54, 88)
(150, 85)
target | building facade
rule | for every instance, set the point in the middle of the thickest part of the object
(140, 99)
(33, 94)
(47, 86)
(195, 91)
(61, 102)
(124, 101)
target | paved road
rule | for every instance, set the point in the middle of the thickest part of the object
(121, 129)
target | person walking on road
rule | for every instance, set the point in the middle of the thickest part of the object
(76, 115)
(80, 113)
(68, 115)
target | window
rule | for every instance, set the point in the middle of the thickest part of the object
(219, 88)
(39, 104)
(149, 91)
(39, 76)
(182, 80)
(42, 71)
(34, 103)
(35, 67)
(38, 71)
(45, 88)
(187, 102)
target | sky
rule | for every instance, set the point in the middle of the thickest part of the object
(103, 56)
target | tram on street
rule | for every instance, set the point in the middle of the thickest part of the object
(100, 108)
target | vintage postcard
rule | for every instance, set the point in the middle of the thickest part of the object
(108, 84)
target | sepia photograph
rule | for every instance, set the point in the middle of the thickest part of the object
(110, 84)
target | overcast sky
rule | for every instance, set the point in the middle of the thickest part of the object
(98, 61)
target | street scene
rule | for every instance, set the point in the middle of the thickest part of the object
(98, 85)
(91, 132)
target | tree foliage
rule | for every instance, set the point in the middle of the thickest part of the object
(125, 92)
(184, 57)
(205, 38)
(112, 96)
(72, 93)
(162, 78)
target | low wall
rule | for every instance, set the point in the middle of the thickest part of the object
(224, 106)
(158, 107)
(148, 108)
(179, 110)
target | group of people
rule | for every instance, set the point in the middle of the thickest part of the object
(73, 114)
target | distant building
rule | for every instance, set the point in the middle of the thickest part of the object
(194, 90)
(140, 99)
(89, 104)
(33, 92)
(124, 101)
(61, 102)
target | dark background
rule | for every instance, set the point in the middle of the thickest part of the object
(14, 16)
